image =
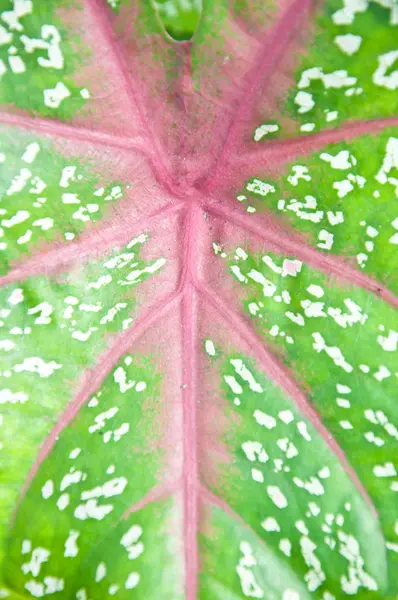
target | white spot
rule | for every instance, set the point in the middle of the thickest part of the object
(210, 348)
(285, 546)
(37, 365)
(48, 489)
(63, 501)
(390, 342)
(54, 96)
(264, 419)
(343, 160)
(326, 239)
(277, 496)
(71, 549)
(302, 428)
(349, 43)
(39, 556)
(386, 470)
(132, 581)
(31, 152)
(100, 573)
(264, 130)
(270, 524)
(255, 451)
(380, 76)
(260, 187)
(91, 510)
(305, 101)
(246, 375)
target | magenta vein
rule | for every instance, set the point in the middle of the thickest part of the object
(74, 133)
(286, 243)
(189, 398)
(155, 494)
(100, 12)
(281, 151)
(93, 378)
(284, 379)
(272, 50)
(98, 241)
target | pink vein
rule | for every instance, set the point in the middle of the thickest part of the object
(157, 493)
(100, 12)
(285, 243)
(189, 395)
(280, 375)
(288, 149)
(67, 253)
(74, 133)
(93, 378)
(272, 50)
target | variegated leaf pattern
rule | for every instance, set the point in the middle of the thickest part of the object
(198, 259)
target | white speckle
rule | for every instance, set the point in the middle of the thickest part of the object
(63, 501)
(75, 453)
(315, 290)
(343, 160)
(264, 130)
(324, 473)
(382, 373)
(343, 403)
(85, 93)
(307, 127)
(326, 239)
(37, 365)
(233, 384)
(132, 581)
(71, 479)
(305, 101)
(100, 573)
(389, 343)
(48, 489)
(210, 348)
(277, 496)
(31, 152)
(285, 546)
(349, 43)
(286, 416)
(26, 546)
(242, 370)
(260, 187)
(18, 218)
(386, 470)
(68, 175)
(71, 549)
(380, 77)
(290, 595)
(257, 475)
(264, 419)
(270, 524)
(6, 395)
(91, 510)
(54, 96)
(299, 172)
(35, 588)
(332, 351)
(39, 556)
(302, 428)
(255, 451)
(346, 425)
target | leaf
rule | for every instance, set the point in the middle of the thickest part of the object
(198, 269)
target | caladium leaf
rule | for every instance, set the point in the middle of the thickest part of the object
(198, 268)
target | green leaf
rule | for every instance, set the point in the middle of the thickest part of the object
(198, 258)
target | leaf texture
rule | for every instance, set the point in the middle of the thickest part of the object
(198, 269)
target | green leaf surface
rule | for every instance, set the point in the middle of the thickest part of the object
(198, 262)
